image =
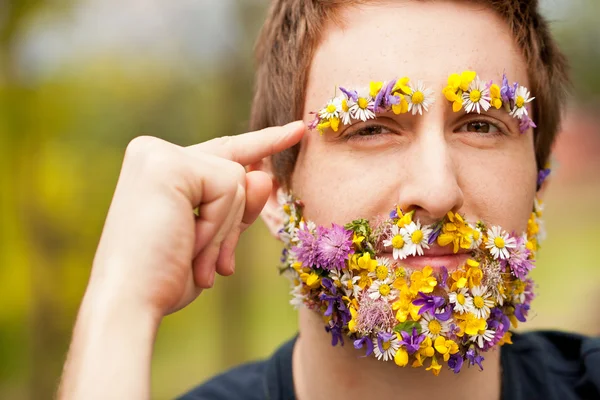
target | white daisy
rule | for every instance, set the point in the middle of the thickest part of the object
(476, 238)
(349, 284)
(386, 349)
(433, 327)
(482, 303)
(521, 100)
(382, 290)
(344, 112)
(485, 335)
(463, 302)
(362, 108)
(499, 242)
(382, 271)
(477, 97)
(298, 296)
(332, 109)
(420, 99)
(397, 243)
(416, 238)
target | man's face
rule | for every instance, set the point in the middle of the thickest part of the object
(479, 165)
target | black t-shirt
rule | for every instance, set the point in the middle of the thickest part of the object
(538, 365)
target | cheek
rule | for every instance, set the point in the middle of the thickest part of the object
(342, 185)
(499, 186)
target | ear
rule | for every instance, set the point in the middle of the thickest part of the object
(271, 214)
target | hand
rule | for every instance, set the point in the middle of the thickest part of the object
(154, 251)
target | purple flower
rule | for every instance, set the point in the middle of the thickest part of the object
(381, 98)
(498, 321)
(307, 250)
(507, 92)
(455, 362)
(434, 234)
(542, 175)
(336, 334)
(428, 303)
(529, 294)
(313, 124)
(383, 337)
(443, 277)
(526, 123)
(333, 246)
(521, 311)
(412, 342)
(443, 314)
(519, 261)
(474, 358)
(394, 214)
(351, 94)
(364, 341)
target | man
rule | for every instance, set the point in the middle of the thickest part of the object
(155, 257)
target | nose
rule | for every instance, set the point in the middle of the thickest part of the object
(431, 187)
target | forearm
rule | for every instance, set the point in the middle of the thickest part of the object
(111, 352)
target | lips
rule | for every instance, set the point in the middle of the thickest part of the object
(436, 257)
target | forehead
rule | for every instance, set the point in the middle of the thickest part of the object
(422, 40)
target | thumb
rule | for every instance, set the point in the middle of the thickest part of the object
(258, 190)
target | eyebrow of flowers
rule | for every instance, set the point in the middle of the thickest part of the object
(466, 91)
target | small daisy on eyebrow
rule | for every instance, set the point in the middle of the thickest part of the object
(477, 97)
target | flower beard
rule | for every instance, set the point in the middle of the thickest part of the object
(418, 317)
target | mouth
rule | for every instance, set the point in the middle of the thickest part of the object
(435, 257)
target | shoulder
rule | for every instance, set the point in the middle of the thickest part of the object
(567, 365)
(243, 382)
(268, 379)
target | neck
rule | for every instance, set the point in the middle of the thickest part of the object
(322, 371)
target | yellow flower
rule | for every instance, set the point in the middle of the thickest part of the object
(352, 323)
(401, 357)
(457, 84)
(422, 281)
(357, 239)
(445, 347)
(405, 307)
(459, 280)
(374, 88)
(496, 96)
(365, 280)
(333, 123)
(457, 232)
(506, 339)
(474, 273)
(532, 226)
(434, 367)
(401, 107)
(402, 86)
(418, 361)
(312, 280)
(366, 263)
(471, 325)
(403, 219)
(427, 349)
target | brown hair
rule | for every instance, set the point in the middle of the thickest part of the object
(292, 32)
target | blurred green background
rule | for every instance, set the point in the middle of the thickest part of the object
(79, 79)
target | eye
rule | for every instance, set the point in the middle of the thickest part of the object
(367, 132)
(481, 127)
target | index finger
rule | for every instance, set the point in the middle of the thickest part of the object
(252, 147)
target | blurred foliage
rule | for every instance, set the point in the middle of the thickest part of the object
(62, 138)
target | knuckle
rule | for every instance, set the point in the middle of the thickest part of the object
(150, 154)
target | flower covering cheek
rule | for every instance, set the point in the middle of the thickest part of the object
(418, 317)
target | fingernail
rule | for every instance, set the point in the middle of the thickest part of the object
(232, 263)
(211, 278)
(294, 125)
